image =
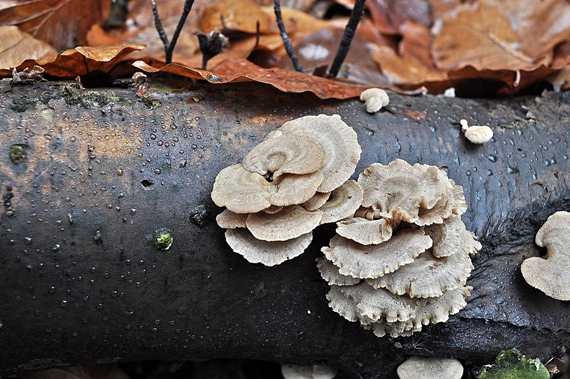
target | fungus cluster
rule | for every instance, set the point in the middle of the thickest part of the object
(293, 181)
(403, 260)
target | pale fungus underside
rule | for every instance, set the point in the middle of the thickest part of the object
(401, 256)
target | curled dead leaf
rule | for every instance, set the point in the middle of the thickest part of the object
(241, 70)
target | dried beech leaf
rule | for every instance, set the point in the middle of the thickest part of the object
(241, 70)
(80, 61)
(241, 15)
(501, 35)
(17, 46)
(406, 70)
(61, 23)
(390, 14)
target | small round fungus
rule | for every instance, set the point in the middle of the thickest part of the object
(430, 368)
(476, 134)
(551, 275)
(374, 99)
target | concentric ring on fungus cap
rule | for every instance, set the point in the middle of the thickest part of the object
(339, 142)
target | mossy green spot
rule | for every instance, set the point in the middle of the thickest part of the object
(17, 154)
(162, 238)
(511, 364)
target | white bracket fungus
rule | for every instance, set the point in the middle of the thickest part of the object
(551, 275)
(374, 99)
(293, 181)
(401, 256)
(477, 134)
(408, 243)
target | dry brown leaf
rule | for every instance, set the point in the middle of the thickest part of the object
(80, 61)
(237, 71)
(17, 46)
(390, 14)
(406, 70)
(297, 23)
(240, 15)
(416, 41)
(61, 23)
(496, 35)
(240, 48)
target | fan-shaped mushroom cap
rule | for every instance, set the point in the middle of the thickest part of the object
(439, 309)
(372, 261)
(240, 190)
(379, 303)
(339, 142)
(427, 276)
(342, 203)
(342, 304)
(291, 222)
(330, 273)
(285, 154)
(273, 209)
(268, 253)
(451, 237)
(317, 201)
(551, 275)
(399, 190)
(364, 231)
(430, 368)
(231, 220)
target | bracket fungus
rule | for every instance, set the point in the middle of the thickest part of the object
(403, 260)
(293, 181)
(551, 275)
(374, 99)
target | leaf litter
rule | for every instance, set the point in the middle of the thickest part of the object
(399, 45)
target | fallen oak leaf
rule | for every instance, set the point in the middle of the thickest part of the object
(241, 70)
(80, 61)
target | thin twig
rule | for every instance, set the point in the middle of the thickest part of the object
(347, 36)
(169, 46)
(285, 37)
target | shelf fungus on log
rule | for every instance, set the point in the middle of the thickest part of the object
(403, 260)
(293, 181)
(551, 275)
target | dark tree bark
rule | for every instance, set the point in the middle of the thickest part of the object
(88, 176)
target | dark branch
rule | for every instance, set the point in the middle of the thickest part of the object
(169, 46)
(349, 32)
(285, 37)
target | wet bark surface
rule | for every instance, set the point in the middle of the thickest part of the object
(89, 176)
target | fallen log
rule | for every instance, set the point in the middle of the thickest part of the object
(90, 179)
